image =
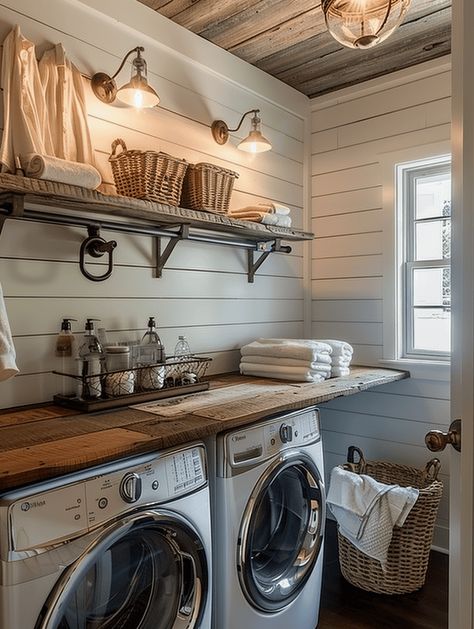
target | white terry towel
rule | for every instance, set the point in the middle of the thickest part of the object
(286, 348)
(339, 348)
(258, 216)
(26, 125)
(336, 372)
(267, 208)
(296, 374)
(367, 511)
(8, 367)
(64, 171)
(323, 362)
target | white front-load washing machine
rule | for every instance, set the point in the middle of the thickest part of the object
(267, 483)
(121, 546)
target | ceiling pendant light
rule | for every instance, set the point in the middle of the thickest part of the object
(363, 23)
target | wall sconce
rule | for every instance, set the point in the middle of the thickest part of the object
(363, 23)
(255, 142)
(136, 92)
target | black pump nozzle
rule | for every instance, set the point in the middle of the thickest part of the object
(90, 325)
(66, 324)
(151, 322)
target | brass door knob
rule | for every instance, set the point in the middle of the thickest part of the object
(436, 440)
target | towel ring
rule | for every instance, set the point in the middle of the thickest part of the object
(95, 246)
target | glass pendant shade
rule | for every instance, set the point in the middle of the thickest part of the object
(363, 23)
(255, 142)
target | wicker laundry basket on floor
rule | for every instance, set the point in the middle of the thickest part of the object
(409, 549)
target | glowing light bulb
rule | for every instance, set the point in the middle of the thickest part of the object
(138, 99)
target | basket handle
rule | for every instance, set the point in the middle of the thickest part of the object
(351, 462)
(431, 470)
(115, 144)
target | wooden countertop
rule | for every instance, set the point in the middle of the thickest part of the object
(46, 441)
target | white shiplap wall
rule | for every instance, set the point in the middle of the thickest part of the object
(204, 291)
(351, 131)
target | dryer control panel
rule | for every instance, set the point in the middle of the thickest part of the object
(253, 445)
(42, 519)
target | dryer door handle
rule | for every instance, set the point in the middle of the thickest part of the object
(191, 594)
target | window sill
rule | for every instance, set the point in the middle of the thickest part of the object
(423, 369)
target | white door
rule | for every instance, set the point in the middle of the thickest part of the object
(462, 373)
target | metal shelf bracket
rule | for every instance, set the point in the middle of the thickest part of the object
(267, 248)
(17, 207)
(175, 237)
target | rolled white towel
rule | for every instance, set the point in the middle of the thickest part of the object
(340, 371)
(286, 348)
(8, 367)
(317, 365)
(275, 208)
(294, 374)
(61, 170)
(276, 219)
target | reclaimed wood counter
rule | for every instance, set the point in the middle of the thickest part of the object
(46, 441)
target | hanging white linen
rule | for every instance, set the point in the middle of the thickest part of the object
(65, 100)
(25, 117)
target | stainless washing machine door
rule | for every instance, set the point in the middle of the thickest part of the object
(281, 532)
(146, 571)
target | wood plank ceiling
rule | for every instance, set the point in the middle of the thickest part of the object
(290, 41)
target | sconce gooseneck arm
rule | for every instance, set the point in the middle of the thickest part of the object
(251, 111)
(137, 50)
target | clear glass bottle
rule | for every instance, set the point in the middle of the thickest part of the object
(182, 349)
(152, 350)
(92, 358)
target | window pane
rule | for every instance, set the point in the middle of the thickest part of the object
(432, 287)
(433, 196)
(432, 329)
(433, 240)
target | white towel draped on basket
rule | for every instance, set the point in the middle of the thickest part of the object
(367, 511)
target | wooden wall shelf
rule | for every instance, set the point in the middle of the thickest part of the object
(22, 198)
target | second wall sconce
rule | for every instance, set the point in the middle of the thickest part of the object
(255, 142)
(136, 92)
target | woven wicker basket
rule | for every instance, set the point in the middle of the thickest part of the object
(409, 549)
(208, 187)
(147, 174)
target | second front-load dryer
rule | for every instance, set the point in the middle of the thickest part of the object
(268, 523)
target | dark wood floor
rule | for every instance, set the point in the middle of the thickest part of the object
(346, 607)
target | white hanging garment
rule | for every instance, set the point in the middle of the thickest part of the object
(25, 117)
(66, 104)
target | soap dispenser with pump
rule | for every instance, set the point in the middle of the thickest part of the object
(91, 354)
(66, 352)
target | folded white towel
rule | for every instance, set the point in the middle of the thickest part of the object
(367, 511)
(286, 348)
(340, 361)
(61, 170)
(285, 373)
(318, 365)
(281, 368)
(275, 208)
(8, 367)
(276, 219)
(340, 371)
(339, 348)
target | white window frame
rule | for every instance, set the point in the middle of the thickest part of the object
(393, 255)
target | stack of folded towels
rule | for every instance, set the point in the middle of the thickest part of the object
(287, 359)
(301, 360)
(266, 213)
(341, 357)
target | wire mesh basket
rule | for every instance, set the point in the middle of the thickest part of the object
(178, 374)
(409, 549)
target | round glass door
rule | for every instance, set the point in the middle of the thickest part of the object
(146, 572)
(281, 532)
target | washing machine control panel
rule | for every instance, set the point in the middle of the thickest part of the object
(252, 445)
(43, 519)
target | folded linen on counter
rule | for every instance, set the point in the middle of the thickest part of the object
(282, 367)
(340, 371)
(286, 348)
(367, 511)
(296, 374)
(322, 362)
(61, 170)
(8, 367)
(339, 348)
